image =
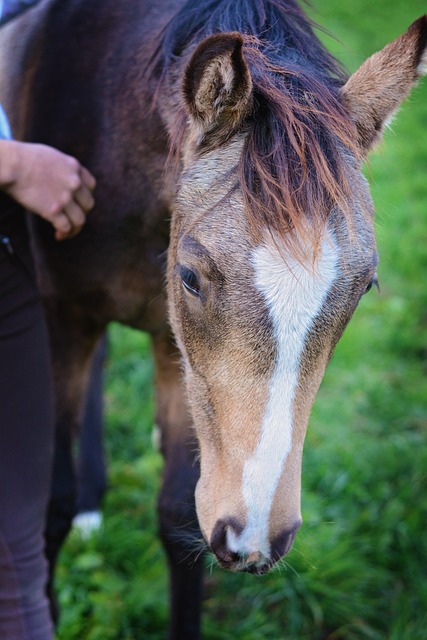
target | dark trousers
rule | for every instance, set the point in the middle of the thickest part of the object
(26, 436)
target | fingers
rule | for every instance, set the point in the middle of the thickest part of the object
(88, 179)
(49, 183)
(76, 216)
(69, 221)
(62, 225)
(83, 197)
(82, 193)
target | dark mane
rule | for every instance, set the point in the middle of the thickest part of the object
(280, 24)
(292, 170)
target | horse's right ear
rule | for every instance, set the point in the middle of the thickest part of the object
(218, 85)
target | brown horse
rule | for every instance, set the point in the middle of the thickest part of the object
(227, 146)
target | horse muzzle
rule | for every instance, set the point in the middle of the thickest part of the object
(237, 550)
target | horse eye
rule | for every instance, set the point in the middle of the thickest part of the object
(374, 283)
(190, 281)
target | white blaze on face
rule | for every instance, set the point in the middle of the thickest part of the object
(294, 294)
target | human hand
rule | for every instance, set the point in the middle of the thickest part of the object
(48, 182)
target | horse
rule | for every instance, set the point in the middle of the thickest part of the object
(232, 223)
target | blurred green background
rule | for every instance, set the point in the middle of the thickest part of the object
(358, 568)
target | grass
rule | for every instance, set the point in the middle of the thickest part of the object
(358, 567)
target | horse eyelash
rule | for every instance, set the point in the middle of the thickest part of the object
(190, 281)
(374, 283)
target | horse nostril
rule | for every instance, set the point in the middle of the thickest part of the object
(282, 543)
(234, 551)
(219, 544)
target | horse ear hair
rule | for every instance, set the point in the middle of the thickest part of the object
(217, 83)
(375, 91)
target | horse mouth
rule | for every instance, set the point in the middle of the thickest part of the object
(238, 564)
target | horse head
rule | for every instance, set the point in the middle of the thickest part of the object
(272, 248)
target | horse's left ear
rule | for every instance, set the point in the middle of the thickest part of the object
(375, 91)
(217, 84)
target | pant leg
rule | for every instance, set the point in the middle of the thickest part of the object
(26, 443)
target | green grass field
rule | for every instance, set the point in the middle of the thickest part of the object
(358, 568)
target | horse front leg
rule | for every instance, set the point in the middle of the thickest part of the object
(179, 529)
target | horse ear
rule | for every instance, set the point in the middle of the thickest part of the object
(217, 84)
(375, 91)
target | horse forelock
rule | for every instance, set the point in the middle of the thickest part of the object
(293, 168)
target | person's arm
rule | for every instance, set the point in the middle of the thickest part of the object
(47, 182)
